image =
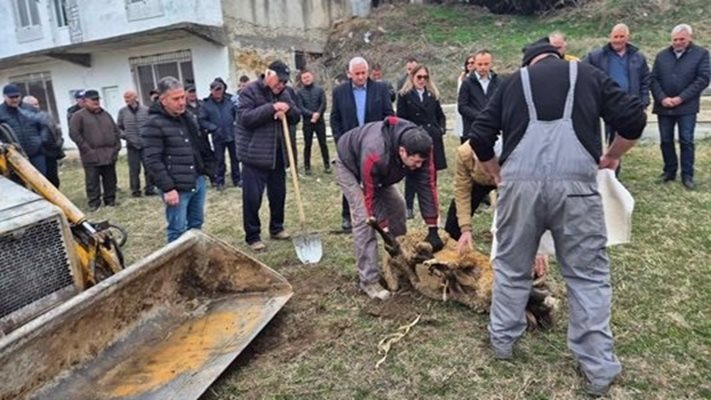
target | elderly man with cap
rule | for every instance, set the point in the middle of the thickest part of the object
(217, 116)
(99, 140)
(548, 114)
(31, 133)
(78, 105)
(129, 120)
(261, 148)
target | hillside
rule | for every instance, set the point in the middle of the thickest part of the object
(442, 35)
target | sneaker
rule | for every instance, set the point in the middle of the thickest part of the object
(374, 291)
(257, 246)
(502, 354)
(593, 389)
(136, 194)
(410, 214)
(93, 208)
(327, 170)
(238, 183)
(150, 192)
(688, 182)
(283, 235)
(220, 187)
(665, 177)
(307, 171)
(346, 225)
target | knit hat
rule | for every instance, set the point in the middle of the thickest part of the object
(536, 49)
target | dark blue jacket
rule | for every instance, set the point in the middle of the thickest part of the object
(259, 135)
(218, 118)
(685, 77)
(638, 70)
(30, 132)
(343, 112)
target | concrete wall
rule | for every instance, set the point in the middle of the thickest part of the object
(100, 19)
(112, 69)
(263, 30)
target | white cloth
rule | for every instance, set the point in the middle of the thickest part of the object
(458, 122)
(617, 204)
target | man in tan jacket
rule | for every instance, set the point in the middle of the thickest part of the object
(471, 186)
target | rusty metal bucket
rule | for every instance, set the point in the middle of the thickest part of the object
(163, 328)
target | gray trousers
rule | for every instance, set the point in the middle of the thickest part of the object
(389, 205)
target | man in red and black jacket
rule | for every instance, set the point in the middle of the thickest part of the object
(371, 160)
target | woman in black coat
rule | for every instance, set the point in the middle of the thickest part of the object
(419, 103)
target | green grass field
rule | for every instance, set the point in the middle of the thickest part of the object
(323, 344)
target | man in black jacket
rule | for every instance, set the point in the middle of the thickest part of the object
(355, 103)
(476, 90)
(178, 157)
(626, 65)
(261, 148)
(548, 114)
(30, 132)
(313, 104)
(680, 73)
(217, 116)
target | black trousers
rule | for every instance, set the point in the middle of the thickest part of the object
(52, 171)
(320, 129)
(96, 178)
(254, 181)
(231, 148)
(479, 192)
(135, 162)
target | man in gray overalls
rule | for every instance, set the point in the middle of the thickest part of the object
(548, 114)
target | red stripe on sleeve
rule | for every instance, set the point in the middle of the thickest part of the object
(369, 183)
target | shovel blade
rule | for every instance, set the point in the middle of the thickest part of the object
(308, 248)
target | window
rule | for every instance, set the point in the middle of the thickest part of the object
(27, 20)
(142, 9)
(40, 86)
(60, 12)
(148, 70)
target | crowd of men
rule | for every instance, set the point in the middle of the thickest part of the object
(544, 169)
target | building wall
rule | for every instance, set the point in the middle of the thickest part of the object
(100, 19)
(112, 69)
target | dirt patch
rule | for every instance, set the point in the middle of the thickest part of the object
(404, 306)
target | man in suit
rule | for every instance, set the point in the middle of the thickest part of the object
(476, 90)
(356, 102)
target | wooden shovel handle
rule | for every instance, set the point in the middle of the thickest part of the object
(292, 168)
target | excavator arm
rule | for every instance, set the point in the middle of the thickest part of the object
(97, 250)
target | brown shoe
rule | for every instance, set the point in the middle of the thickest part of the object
(257, 246)
(283, 235)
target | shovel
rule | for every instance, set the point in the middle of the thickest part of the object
(307, 245)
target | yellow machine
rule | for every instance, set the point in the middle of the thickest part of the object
(75, 324)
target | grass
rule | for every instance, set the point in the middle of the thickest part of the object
(322, 344)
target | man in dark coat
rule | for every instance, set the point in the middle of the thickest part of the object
(262, 150)
(99, 141)
(52, 150)
(355, 103)
(371, 160)
(78, 105)
(312, 99)
(30, 131)
(476, 90)
(129, 120)
(548, 114)
(680, 74)
(178, 158)
(217, 116)
(626, 65)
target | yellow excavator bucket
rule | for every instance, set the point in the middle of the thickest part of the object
(163, 328)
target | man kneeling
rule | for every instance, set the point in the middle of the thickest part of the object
(370, 160)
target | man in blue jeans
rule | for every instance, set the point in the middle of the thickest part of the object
(177, 156)
(680, 73)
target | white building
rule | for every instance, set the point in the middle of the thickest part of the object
(52, 48)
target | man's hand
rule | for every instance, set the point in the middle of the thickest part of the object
(434, 239)
(279, 115)
(493, 169)
(281, 106)
(671, 102)
(465, 242)
(314, 117)
(676, 101)
(171, 198)
(540, 265)
(606, 161)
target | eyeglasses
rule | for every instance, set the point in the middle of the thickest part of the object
(420, 77)
(471, 62)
